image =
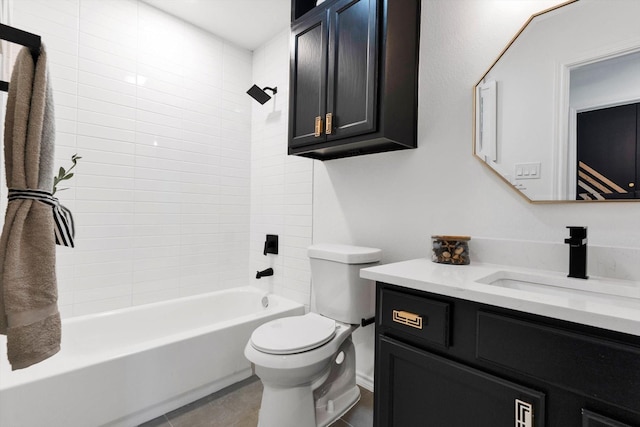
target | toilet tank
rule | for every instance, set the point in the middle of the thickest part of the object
(340, 293)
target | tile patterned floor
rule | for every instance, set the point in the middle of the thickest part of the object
(238, 405)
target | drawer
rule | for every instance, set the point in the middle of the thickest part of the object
(418, 317)
(605, 370)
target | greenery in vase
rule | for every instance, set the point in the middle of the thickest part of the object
(65, 174)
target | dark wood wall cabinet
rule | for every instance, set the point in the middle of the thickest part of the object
(446, 362)
(354, 77)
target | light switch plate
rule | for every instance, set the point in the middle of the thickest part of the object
(527, 170)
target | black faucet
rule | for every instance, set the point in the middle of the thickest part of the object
(577, 242)
(264, 273)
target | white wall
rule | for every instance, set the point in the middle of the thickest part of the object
(396, 201)
(157, 110)
(606, 83)
(281, 185)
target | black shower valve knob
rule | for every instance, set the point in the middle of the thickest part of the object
(271, 244)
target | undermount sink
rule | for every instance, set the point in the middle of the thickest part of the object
(556, 285)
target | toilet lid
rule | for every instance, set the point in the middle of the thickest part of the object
(294, 334)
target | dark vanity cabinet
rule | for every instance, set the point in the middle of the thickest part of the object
(353, 79)
(446, 362)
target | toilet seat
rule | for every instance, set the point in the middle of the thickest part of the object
(296, 334)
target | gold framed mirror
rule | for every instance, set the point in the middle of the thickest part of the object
(557, 115)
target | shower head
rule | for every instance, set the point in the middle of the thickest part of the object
(260, 95)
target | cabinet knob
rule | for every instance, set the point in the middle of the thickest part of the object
(407, 318)
(318, 129)
(632, 184)
(329, 123)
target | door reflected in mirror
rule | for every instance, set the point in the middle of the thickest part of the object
(607, 153)
(556, 115)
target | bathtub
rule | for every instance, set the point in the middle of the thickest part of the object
(128, 366)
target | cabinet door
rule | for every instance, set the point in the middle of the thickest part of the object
(352, 62)
(307, 98)
(608, 153)
(417, 388)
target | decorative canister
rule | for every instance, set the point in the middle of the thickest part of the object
(451, 249)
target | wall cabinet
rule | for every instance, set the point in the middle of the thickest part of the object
(353, 79)
(441, 361)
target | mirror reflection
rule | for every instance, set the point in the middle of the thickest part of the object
(557, 115)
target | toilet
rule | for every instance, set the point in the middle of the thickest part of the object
(307, 363)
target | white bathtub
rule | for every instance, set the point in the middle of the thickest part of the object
(128, 366)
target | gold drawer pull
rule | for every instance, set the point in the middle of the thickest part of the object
(329, 124)
(318, 128)
(406, 318)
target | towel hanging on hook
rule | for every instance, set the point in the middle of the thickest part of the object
(14, 35)
(29, 315)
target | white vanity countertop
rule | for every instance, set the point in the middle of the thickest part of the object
(616, 313)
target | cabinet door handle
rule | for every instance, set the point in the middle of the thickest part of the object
(329, 124)
(407, 318)
(524, 414)
(318, 131)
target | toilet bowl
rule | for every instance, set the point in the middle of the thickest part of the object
(307, 363)
(299, 386)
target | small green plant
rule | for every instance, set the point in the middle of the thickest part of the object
(65, 174)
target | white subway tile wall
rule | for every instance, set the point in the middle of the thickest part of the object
(281, 185)
(161, 197)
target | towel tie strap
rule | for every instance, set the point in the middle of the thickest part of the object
(64, 227)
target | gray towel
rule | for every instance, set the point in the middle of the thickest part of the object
(28, 291)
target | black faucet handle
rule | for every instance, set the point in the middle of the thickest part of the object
(577, 235)
(577, 231)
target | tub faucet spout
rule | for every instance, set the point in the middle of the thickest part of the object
(264, 273)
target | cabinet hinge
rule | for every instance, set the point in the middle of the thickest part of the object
(318, 129)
